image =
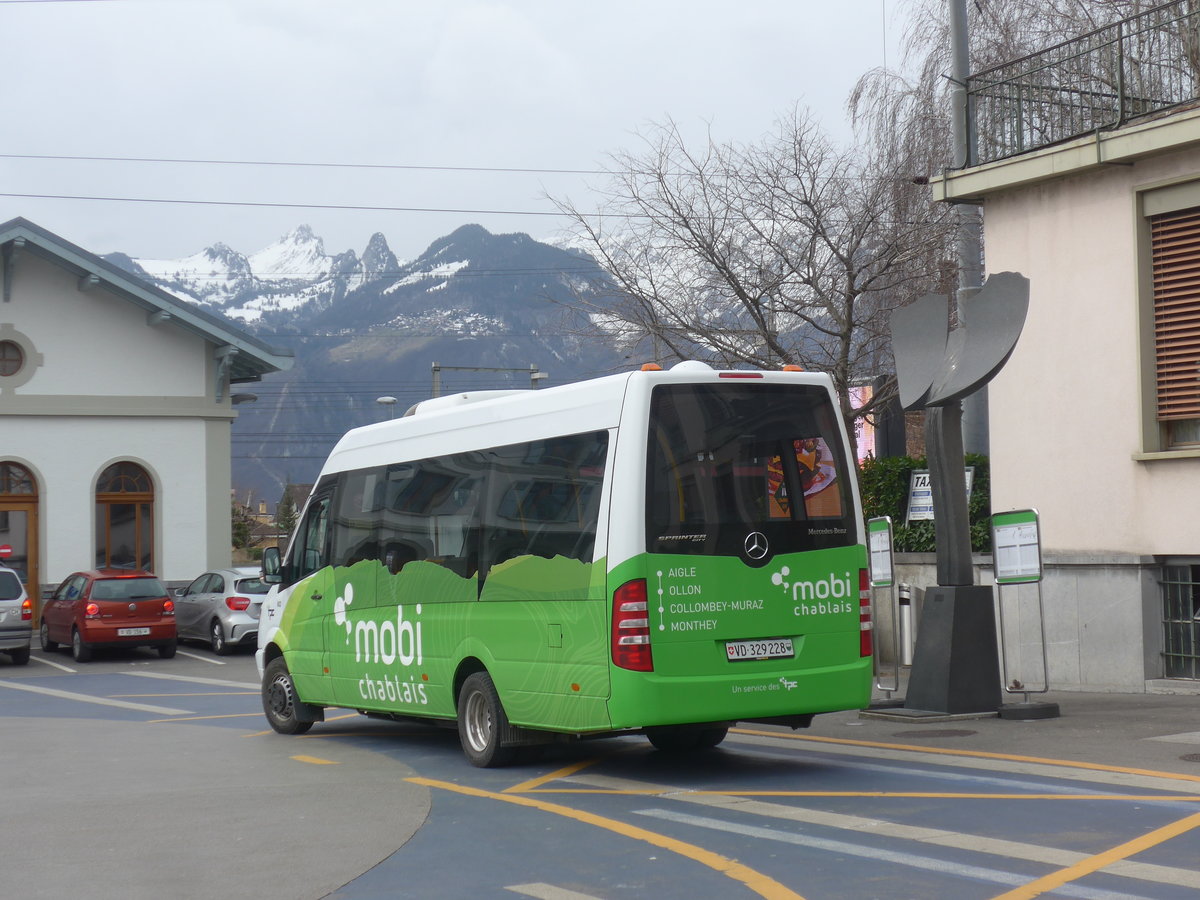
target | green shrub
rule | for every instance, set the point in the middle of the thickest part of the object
(884, 484)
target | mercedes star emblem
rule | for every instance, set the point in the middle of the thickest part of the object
(756, 545)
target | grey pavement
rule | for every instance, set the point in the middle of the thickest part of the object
(1156, 731)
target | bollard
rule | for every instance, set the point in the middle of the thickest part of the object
(907, 638)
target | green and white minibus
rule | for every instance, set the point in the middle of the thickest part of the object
(665, 552)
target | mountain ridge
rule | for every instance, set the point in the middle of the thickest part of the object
(365, 325)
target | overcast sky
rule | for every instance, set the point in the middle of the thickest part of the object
(456, 84)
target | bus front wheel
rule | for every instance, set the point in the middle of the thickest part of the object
(481, 722)
(686, 738)
(279, 700)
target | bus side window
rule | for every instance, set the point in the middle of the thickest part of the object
(356, 519)
(311, 546)
(430, 512)
(544, 499)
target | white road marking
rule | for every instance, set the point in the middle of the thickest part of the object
(896, 831)
(207, 659)
(877, 854)
(50, 662)
(987, 764)
(548, 892)
(249, 685)
(1188, 737)
(99, 701)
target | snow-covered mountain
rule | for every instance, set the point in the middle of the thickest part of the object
(294, 284)
(293, 273)
(366, 325)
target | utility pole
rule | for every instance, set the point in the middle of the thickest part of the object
(535, 377)
(968, 241)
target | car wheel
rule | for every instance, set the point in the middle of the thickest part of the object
(44, 635)
(279, 699)
(166, 651)
(216, 639)
(79, 650)
(481, 721)
(20, 656)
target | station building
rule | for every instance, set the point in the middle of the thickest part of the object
(116, 404)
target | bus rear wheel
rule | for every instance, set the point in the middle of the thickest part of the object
(279, 699)
(686, 738)
(481, 722)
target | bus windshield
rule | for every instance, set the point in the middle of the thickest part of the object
(726, 460)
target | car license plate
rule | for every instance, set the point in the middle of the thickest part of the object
(132, 632)
(775, 648)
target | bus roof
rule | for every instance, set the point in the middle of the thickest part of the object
(478, 419)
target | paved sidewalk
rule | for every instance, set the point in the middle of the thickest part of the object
(1159, 732)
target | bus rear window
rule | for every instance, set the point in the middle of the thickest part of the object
(726, 460)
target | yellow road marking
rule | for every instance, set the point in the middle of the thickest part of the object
(1101, 860)
(757, 882)
(204, 718)
(886, 795)
(315, 760)
(977, 754)
(534, 783)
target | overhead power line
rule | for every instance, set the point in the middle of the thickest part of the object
(302, 165)
(352, 207)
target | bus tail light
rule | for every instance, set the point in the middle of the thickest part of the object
(631, 628)
(237, 603)
(866, 646)
(27, 610)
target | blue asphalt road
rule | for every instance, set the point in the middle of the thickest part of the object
(844, 811)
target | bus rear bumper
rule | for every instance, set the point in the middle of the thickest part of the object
(646, 699)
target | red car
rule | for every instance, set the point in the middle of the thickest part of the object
(109, 608)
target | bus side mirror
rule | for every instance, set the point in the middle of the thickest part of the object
(271, 566)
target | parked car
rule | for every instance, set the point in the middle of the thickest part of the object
(221, 607)
(16, 617)
(109, 608)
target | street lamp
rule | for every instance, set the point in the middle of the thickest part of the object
(390, 403)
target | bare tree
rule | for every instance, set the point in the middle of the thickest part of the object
(790, 250)
(909, 109)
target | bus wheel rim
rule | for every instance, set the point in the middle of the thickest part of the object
(479, 722)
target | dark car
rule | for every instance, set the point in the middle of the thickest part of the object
(109, 608)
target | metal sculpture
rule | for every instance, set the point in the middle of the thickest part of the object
(955, 664)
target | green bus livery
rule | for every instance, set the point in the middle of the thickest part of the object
(665, 552)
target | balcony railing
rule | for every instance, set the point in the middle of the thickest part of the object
(1135, 67)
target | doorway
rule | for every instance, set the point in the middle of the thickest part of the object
(19, 527)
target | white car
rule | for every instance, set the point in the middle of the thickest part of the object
(16, 617)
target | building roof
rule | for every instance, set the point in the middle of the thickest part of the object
(251, 358)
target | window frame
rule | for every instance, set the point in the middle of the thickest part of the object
(1152, 201)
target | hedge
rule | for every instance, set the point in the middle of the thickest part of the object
(884, 484)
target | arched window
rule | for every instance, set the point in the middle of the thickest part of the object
(125, 517)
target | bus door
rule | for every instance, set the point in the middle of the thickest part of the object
(543, 595)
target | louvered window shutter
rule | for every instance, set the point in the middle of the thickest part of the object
(1175, 254)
